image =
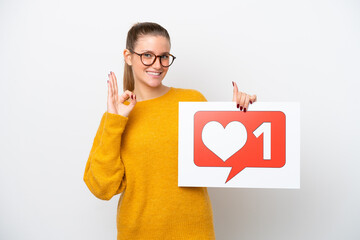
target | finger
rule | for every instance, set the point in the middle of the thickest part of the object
(253, 98)
(238, 97)
(112, 86)
(235, 91)
(125, 96)
(110, 91)
(133, 100)
(116, 95)
(115, 85)
(242, 100)
(246, 104)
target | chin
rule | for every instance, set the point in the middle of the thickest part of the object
(154, 83)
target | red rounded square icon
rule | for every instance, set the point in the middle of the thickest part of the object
(239, 140)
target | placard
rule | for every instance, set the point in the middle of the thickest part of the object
(221, 146)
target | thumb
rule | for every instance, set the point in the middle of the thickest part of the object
(253, 98)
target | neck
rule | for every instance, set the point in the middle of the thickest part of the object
(144, 92)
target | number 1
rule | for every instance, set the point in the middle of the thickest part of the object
(265, 128)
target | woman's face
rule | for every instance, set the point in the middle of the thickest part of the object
(143, 74)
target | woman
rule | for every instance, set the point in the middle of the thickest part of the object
(135, 147)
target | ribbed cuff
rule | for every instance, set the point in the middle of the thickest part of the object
(115, 122)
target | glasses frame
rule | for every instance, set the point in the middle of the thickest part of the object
(156, 56)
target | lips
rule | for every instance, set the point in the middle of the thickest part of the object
(153, 73)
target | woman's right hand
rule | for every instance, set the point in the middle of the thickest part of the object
(115, 103)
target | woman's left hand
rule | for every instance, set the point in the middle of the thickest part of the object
(242, 99)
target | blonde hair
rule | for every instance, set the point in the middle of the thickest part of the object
(136, 31)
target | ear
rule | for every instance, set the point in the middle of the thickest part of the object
(127, 57)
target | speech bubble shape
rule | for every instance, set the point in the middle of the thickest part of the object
(264, 147)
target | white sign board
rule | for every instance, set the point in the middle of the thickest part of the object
(221, 146)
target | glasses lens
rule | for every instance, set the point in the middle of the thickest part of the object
(166, 60)
(148, 58)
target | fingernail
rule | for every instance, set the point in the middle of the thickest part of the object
(237, 106)
(232, 82)
(240, 108)
(244, 109)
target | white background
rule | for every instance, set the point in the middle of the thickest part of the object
(54, 60)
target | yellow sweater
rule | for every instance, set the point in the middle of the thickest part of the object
(137, 156)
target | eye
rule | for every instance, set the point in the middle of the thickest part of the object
(165, 56)
(148, 55)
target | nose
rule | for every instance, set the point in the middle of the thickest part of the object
(157, 63)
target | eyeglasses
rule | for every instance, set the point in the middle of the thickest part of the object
(148, 58)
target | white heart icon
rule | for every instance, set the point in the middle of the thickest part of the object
(224, 142)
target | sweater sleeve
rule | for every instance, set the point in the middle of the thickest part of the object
(104, 172)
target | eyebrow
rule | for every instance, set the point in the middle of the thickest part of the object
(153, 52)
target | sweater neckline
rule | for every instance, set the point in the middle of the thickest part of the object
(157, 98)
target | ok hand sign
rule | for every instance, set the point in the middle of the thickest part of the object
(115, 103)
